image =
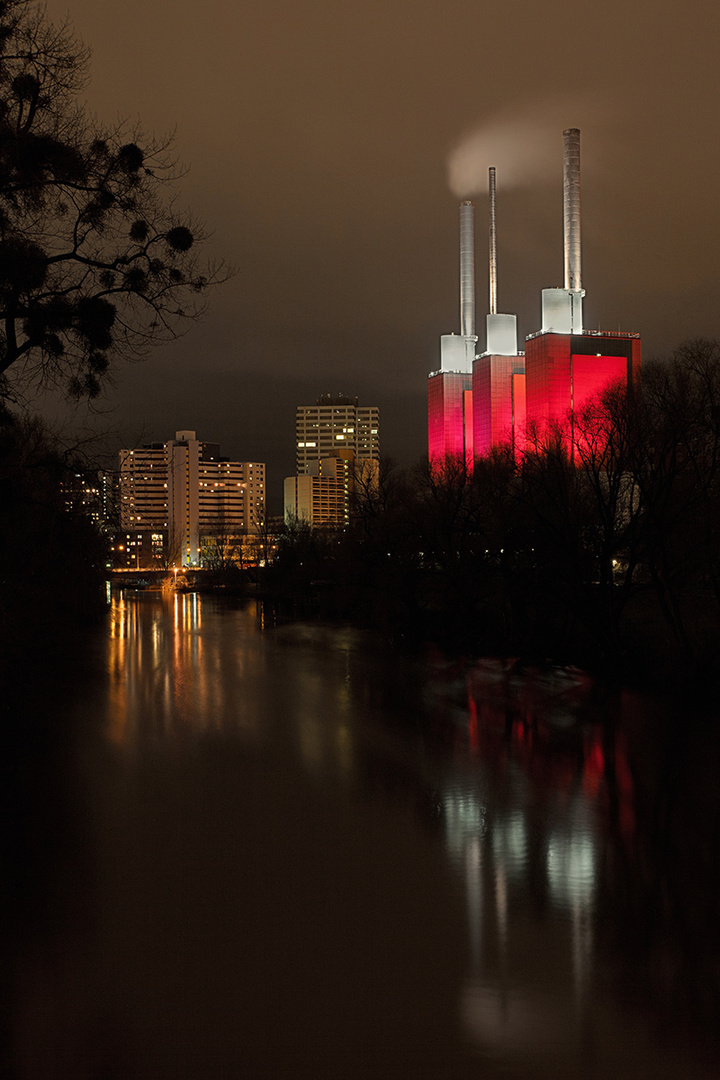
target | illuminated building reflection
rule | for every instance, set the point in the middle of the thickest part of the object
(175, 671)
(157, 666)
(524, 828)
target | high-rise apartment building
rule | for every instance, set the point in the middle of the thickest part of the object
(333, 425)
(231, 492)
(143, 488)
(184, 489)
(94, 494)
(317, 500)
(336, 441)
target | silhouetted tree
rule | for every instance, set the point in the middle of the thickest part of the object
(605, 435)
(305, 557)
(557, 524)
(221, 552)
(379, 519)
(503, 519)
(94, 260)
(52, 560)
(446, 514)
(677, 469)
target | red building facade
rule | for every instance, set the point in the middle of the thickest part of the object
(450, 416)
(500, 398)
(498, 390)
(564, 371)
(505, 396)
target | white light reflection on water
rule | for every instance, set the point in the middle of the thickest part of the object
(510, 845)
(572, 880)
(571, 869)
(464, 814)
(522, 830)
(534, 972)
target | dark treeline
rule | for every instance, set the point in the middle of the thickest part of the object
(600, 546)
(52, 559)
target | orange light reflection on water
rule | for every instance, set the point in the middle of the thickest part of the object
(175, 670)
(143, 684)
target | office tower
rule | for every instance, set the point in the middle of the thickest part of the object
(184, 493)
(335, 424)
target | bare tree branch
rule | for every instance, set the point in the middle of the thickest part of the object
(97, 263)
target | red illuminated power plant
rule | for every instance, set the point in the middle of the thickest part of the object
(480, 401)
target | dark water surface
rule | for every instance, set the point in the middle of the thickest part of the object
(244, 850)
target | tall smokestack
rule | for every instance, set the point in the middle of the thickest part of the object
(571, 208)
(501, 339)
(493, 245)
(562, 308)
(467, 270)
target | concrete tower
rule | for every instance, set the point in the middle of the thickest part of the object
(450, 388)
(566, 365)
(498, 383)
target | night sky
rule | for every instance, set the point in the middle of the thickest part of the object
(328, 145)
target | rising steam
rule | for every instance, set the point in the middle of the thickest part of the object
(525, 147)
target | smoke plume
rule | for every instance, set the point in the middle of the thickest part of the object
(524, 146)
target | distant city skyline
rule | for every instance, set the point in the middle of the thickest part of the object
(324, 156)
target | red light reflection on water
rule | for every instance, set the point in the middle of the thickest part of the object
(542, 718)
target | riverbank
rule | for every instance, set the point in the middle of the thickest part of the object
(643, 653)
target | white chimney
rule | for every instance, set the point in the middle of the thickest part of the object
(562, 308)
(467, 270)
(500, 330)
(571, 209)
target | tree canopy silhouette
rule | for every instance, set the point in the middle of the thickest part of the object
(598, 545)
(95, 260)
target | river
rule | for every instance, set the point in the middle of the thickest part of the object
(241, 849)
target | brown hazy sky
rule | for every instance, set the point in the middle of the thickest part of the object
(318, 135)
